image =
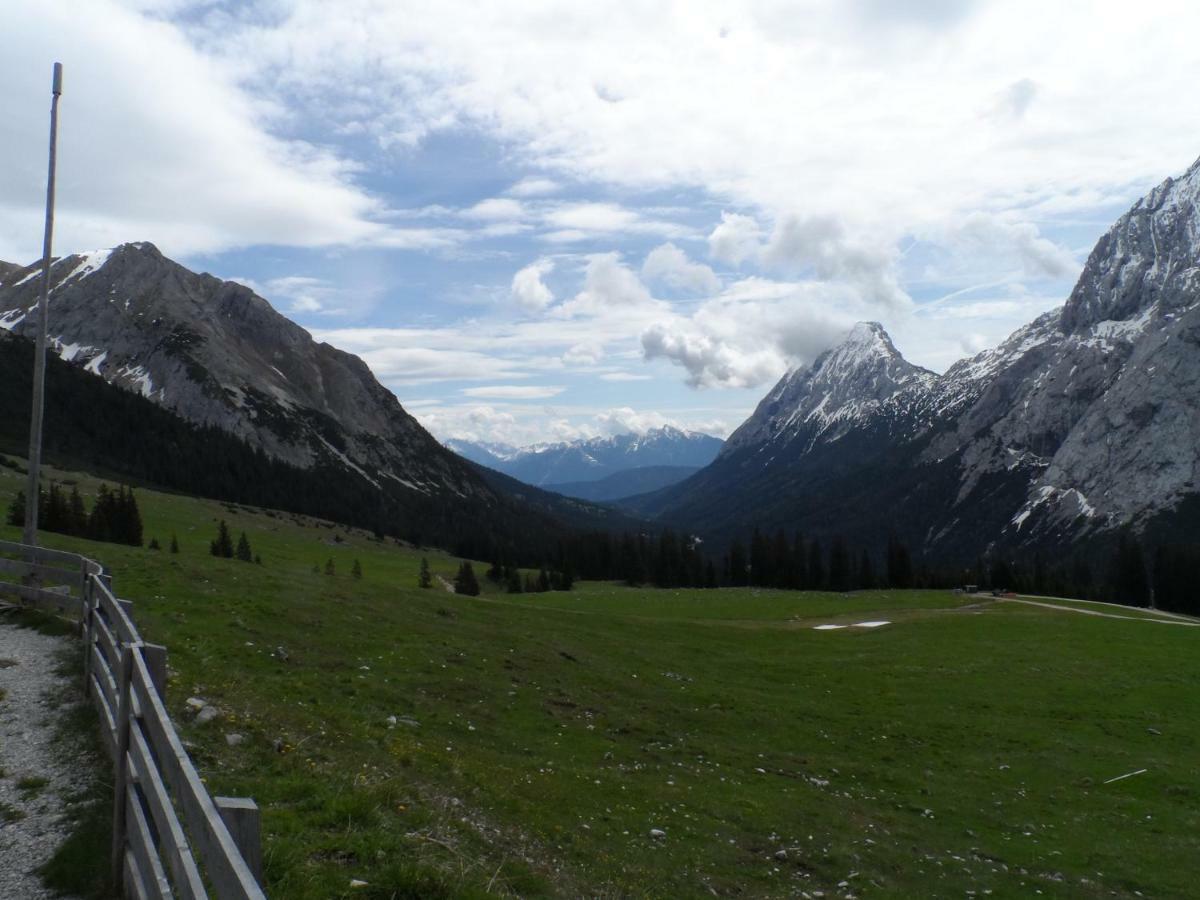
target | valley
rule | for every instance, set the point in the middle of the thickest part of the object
(541, 741)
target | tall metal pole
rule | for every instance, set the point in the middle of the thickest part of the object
(39, 362)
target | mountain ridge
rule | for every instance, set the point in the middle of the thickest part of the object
(592, 459)
(216, 354)
(1081, 422)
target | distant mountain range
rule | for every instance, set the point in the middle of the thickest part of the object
(215, 354)
(553, 466)
(1083, 422)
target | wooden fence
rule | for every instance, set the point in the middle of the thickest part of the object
(170, 838)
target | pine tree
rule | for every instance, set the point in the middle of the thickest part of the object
(222, 546)
(174, 543)
(866, 572)
(16, 510)
(512, 580)
(816, 566)
(153, 545)
(738, 576)
(496, 571)
(78, 513)
(424, 579)
(243, 549)
(130, 519)
(839, 565)
(899, 564)
(356, 571)
(465, 581)
(330, 569)
(1128, 576)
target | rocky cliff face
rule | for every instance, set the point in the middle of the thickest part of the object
(1085, 420)
(217, 354)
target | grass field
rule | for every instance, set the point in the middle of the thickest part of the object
(540, 738)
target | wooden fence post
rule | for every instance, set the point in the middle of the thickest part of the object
(89, 634)
(121, 764)
(155, 656)
(244, 821)
(83, 580)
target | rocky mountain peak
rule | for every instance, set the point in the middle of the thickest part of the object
(845, 382)
(1149, 259)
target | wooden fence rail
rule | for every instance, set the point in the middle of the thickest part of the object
(170, 837)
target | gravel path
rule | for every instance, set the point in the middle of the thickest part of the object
(31, 819)
(1173, 620)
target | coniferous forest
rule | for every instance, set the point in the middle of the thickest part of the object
(113, 431)
(114, 516)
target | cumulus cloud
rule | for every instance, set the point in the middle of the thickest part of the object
(587, 353)
(528, 288)
(736, 239)
(608, 285)
(754, 331)
(184, 157)
(1038, 256)
(670, 265)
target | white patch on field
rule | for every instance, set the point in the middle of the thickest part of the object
(827, 627)
(871, 624)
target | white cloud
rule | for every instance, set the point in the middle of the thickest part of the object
(763, 107)
(671, 266)
(625, 376)
(524, 424)
(496, 209)
(159, 141)
(514, 392)
(1038, 256)
(735, 240)
(750, 334)
(608, 285)
(534, 187)
(528, 288)
(587, 353)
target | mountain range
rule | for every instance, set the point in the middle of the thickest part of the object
(217, 355)
(1081, 423)
(662, 455)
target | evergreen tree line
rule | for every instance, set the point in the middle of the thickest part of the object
(94, 425)
(547, 579)
(114, 516)
(1114, 571)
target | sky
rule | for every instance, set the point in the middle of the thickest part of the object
(548, 220)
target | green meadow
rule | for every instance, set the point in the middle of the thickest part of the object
(619, 742)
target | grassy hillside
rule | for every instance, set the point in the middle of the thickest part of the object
(540, 738)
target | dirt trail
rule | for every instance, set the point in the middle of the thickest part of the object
(1173, 620)
(34, 779)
